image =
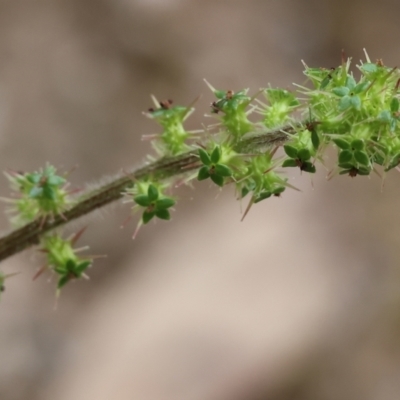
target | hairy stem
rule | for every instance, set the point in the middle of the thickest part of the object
(30, 234)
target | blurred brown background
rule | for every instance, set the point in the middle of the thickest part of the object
(299, 301)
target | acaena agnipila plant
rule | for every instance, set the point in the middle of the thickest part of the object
(357, 112)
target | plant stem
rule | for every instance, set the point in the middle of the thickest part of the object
(164, 168)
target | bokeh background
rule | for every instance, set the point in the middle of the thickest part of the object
(299, 301)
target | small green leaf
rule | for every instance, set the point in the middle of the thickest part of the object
(34, 178)
(394, 105)
(325, 82)
(203, 173)
(152, 193)
(223, 170)
(218, 180)
(379, 159)
(204, 157)
(350, 82)
(357, 144)
(55, 180)
(361, 157)
(304, 154)
(63, 281)
(49, 193)
(142, 200)
(262, 196)
(163, 214)
(216, 155)
(289, 163)
(385, 116)
(82, 266)
(290, 150)
(279, 190)
(341, 91)
(369, 67)
(35, 192)
(245, 191)
(363, 171)
(394, 162)
(308, 167)
(345, 156)
(219, 94)
(147, 216)
(355, 102)
(164, 203)
(70, 265)
(315, 139)
(344, 103)
(346, 165)
(361, 87)
(342, 144)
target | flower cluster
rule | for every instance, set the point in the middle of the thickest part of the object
(172, 140)
(63, 259)
(358, 113)
(39, 194)
(213, 166)
(154, 203)
(234, 111)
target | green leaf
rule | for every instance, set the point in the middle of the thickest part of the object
(304, 154)
(355, 102)
(345, 156)
(361, 157)
(245, 191)
(363, 171)
(279, 190)
(394, 162)
(70, 265)
(289, 163)
(203, 173)
(361, 87)
(357, 144)
(63, 281)
(34, 178)
(379, 159)
(49, 193)
(218, 180)
(290, 150)
(35, 192)
(341, 91)
(369, 67)
(55, 180)
(147, 216)
(152, 193)
(342, 144)
(394, 105)
(346, 165)
(220, 94)
(82, 267)
(164, 203)
(385, 116)
(308, 167)
(315, 139)
(345, 103)
(204, 157)
(350, 82)
(325, 82)
(216, 155)
(223, 170)
(142, 200)
(163, 214)
(262, 196)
